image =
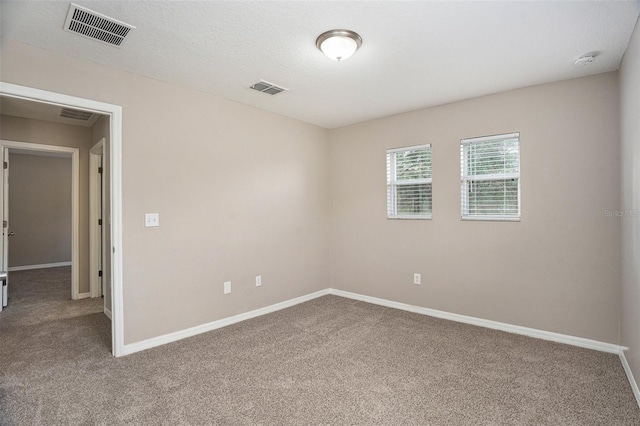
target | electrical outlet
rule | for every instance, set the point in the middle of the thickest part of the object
(416, 279)
(227, 287)
(258, 280)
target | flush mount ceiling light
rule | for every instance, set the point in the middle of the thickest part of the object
(338, 44)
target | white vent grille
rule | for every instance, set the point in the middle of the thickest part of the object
(94, 25)
(266, 87)
(76, 114)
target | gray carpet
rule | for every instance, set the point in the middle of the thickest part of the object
(327, 361)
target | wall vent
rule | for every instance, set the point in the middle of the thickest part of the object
(76, 114)
(266, 87)
(88, 23)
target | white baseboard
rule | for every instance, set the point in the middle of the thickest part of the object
(41, 266)
(107, 312)
(509, 328)
(632, 380)
(83, 296)
(182, 334)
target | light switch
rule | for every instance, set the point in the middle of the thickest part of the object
(152, 219)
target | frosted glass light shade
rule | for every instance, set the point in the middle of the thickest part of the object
(338, 44)
(338, 48)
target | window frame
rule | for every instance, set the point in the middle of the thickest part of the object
(465, 178)
(393, 183)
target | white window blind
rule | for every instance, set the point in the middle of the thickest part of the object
(490, 177)
(409, 182)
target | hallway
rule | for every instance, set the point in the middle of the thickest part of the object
(44, 335)
(40, 301)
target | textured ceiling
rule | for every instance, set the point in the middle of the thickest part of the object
(414, 54)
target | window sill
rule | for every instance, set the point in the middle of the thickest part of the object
(408, 217)
(490, 218)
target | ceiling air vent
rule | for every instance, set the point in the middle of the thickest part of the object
(76, 114)
(88, 23)
(266, 87)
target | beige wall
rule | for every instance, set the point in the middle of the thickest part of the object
(243, 192)
(39, 209)
(240, 192)
(557, 269)
(630, 155)
(44, 132)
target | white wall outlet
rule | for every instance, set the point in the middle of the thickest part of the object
(227, 287)
(151, 219)
(258, 280)
(416, 279)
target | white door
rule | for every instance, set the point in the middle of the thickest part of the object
(96, 221)
(102, 228)
(5, 225)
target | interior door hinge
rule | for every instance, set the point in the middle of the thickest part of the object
(99, 169)
(5, 165)
(99, 222)
(4, 223)
(99, 273)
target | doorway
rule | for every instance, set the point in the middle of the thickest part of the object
(114, 112)
(8, 147)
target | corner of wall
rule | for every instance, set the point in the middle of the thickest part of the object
(630, 208)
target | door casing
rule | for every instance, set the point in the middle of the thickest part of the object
(115, 173)
(75, 199)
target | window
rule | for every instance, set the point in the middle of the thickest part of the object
(409, 182)
(490, 177)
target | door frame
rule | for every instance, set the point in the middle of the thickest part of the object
(115, 172)
(96, 211)
(75, 201)
(4, 187)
